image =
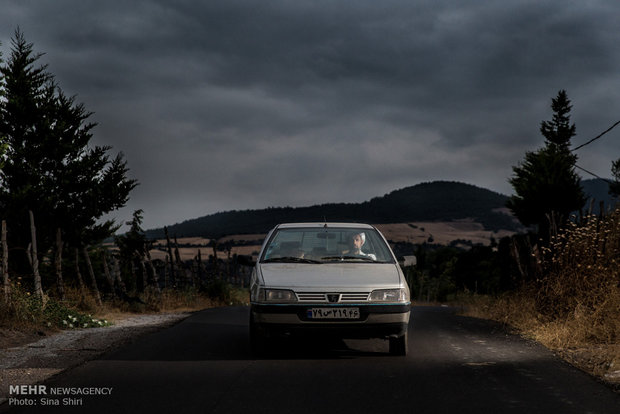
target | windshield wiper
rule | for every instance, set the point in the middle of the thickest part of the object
(364, 258)
(290, 259)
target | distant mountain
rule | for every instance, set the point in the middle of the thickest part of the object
(597, 191)
(434, 201)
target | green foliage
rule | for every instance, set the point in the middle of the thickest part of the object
(545, 183)
(133, 247)
(559, 130)
(26, 309)
(59, 315)
(614, 187)
(442, 272)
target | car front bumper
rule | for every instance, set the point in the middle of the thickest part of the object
(375, 321)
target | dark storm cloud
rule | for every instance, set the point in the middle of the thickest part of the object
(237, 104)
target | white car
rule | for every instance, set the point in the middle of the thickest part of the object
(336, 279)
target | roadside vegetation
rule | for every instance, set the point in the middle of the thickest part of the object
(568, 295)
(559, 284)
(25, 312)
(572, 306)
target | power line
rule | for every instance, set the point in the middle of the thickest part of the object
(594, 175)
(596, 137)
(588, 143)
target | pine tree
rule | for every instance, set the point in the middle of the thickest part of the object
(614, 186)
(3, 145)
(559, 130)
(547, 188)
(50, 168)
(133, 247)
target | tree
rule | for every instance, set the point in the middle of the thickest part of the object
(614, 186)
(3, 145)
(50, 168)
(547, 188)
(133, 247)
(559, 130)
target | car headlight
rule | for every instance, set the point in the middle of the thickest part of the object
(277, 295)
(389, 295)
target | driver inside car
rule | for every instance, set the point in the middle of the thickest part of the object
(357, 241)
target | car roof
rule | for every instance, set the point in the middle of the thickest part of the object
(324, 224)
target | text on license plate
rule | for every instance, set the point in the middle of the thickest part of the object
(333, 313)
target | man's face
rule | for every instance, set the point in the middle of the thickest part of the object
(357, 241)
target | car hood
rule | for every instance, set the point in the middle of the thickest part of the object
(352, 276)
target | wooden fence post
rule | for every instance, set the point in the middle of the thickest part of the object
(38, 289)
(215, 264)
(172, 273)
(155, 278)
(166, 278)
(5, 264)
(106, 271)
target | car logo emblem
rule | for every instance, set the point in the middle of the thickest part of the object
(333, 297)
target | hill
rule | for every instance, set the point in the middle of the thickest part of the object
(439, 201)
(597, 191)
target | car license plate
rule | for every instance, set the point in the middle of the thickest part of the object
(333, 313)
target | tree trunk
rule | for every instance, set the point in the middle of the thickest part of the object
(134, 277)
(78, 274)
(58, 262)
(38, 289)
(201, 268)
(117, 273)
(145, 281)
(106, 270)
(517, 257)
(166, 279)
(92, 276)
(5, 264)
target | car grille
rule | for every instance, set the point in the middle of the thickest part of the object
(322, 297)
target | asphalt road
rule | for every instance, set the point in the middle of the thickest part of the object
(204, 365)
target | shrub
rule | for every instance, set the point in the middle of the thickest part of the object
(581, 280)
(26, 310)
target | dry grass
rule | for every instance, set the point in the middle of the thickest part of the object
(574, 306)
(576, 338)
(440, 232)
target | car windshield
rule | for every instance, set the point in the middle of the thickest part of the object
(326, 245)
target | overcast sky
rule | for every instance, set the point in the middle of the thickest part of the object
(238, 104)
